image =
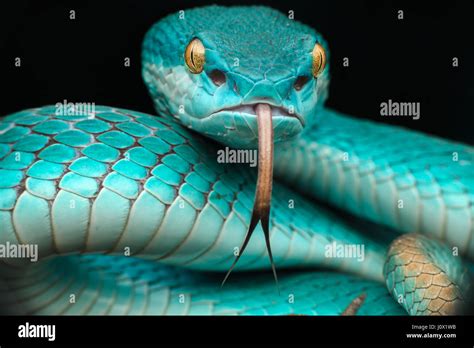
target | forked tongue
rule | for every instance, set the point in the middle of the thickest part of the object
(263, 191)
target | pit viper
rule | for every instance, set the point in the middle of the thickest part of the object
(134, 214)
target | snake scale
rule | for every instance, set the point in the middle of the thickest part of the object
(133, 214)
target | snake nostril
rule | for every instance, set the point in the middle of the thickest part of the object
(236, 88)
(217, 77)
(300, 82)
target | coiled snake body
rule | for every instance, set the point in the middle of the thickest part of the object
(144, 218)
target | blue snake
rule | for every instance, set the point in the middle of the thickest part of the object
(134, 214)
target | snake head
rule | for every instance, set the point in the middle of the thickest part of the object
(209, 67)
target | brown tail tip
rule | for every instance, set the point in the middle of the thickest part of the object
(355, 305)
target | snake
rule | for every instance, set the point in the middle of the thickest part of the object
(134, 214)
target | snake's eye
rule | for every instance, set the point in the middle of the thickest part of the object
(195, 56)
(319, 60)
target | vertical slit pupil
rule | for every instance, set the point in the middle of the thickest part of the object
(192, 58)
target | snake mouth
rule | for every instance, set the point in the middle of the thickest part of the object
(251, 110)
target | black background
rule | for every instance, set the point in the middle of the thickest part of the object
(404, 60)
(224, 330)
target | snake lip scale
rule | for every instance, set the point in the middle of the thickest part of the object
(250, 111)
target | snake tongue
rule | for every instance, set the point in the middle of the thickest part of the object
(263, 191)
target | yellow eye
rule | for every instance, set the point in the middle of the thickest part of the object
(195, 56)
(319, 60)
